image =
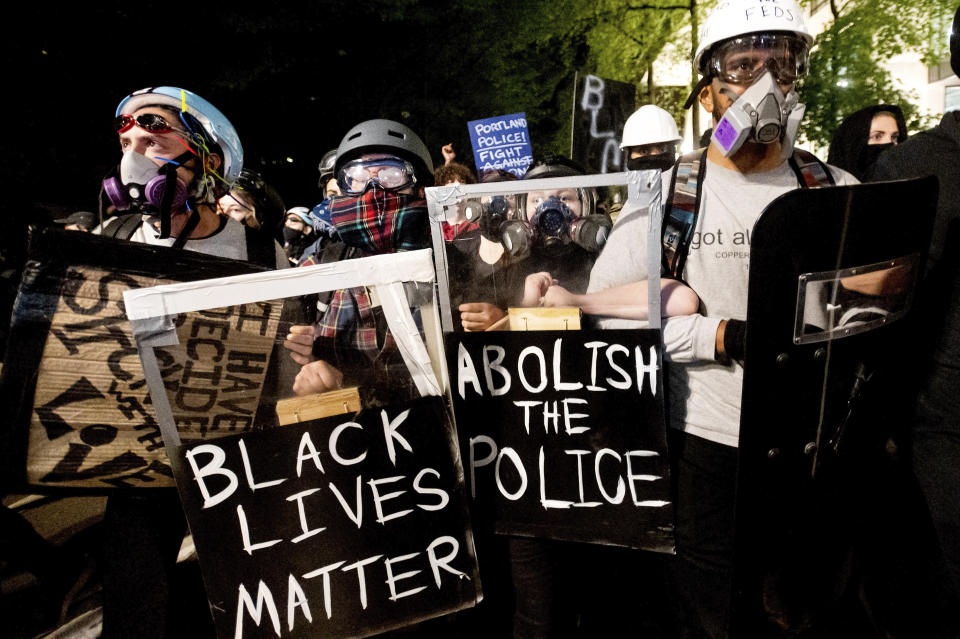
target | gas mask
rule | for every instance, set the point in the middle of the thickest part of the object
(142, 185)
(762, 115)
(552, 229)
(491, 213)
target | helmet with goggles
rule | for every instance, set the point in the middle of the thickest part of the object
(384, 150)
(743, 38)
(208, 128)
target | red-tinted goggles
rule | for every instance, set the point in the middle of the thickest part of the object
(147, 121)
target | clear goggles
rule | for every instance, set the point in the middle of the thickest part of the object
(743, 60)
(390, 172)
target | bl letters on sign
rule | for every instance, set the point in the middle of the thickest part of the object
(600, 110)
(81, 412)
(562, 434)
(339, 527)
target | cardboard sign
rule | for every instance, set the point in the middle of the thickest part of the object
(600, 109)
(501, 142)
(80, 415)
(340, 527)
(215, 375)
(562, 434)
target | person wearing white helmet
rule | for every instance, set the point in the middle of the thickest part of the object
(750, 54)
(180, 154)
(650, 138)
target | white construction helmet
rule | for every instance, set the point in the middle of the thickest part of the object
(649, 125)
(733, 18)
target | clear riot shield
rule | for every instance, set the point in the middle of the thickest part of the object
(832, 279)
(561, 424)
(335, 485)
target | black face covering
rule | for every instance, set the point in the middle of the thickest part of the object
(871, 153)
(660, 162)
(290, 236)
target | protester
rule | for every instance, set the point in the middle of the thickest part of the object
(650, 138)
(453, 172)
(936, 421)
(382, 168)
(253, 202)
(297, 233)
(864, 135)
(180, 155)
(745, 54)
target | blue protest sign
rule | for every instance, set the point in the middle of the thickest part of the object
(501, 142)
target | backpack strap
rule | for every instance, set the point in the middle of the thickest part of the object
(122, 226)
(683, 202)
(681, 211)
(810, 171)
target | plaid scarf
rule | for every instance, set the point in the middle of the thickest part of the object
(380, 221)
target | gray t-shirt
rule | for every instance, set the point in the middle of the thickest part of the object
(705, 395)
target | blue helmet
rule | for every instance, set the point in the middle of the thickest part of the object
(215, 127)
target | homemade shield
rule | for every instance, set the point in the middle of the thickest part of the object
(78, 410)
(562, 431)
(832, 279)
(337, 489)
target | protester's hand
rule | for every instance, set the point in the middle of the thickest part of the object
(317, 377)
(448, 153)
(479, 316)
(535, 287)
(300, 343)
(557, 296)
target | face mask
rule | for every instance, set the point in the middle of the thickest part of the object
(142, 185)
(552, 229)
(659, 161)
(870, 154)
(762, 115)
(490, 213)
(380, 221)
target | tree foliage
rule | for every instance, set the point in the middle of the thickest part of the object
(846, 72)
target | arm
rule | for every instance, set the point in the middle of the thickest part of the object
(628, 301)
(479, 316)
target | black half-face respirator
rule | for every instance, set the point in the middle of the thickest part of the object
(762, 114)
(552, 228)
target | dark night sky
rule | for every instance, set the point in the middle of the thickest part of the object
(292, 79)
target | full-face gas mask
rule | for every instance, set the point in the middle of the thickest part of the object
(491, 213)
(552, 228)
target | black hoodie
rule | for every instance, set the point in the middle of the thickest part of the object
(848, 148)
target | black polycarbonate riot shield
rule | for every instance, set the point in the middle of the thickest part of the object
(832, 281)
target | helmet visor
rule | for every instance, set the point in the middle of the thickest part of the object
(391, 173)
(743, 60)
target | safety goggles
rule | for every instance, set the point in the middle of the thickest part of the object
(147, 121)
(390, 173)
(743, 60)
